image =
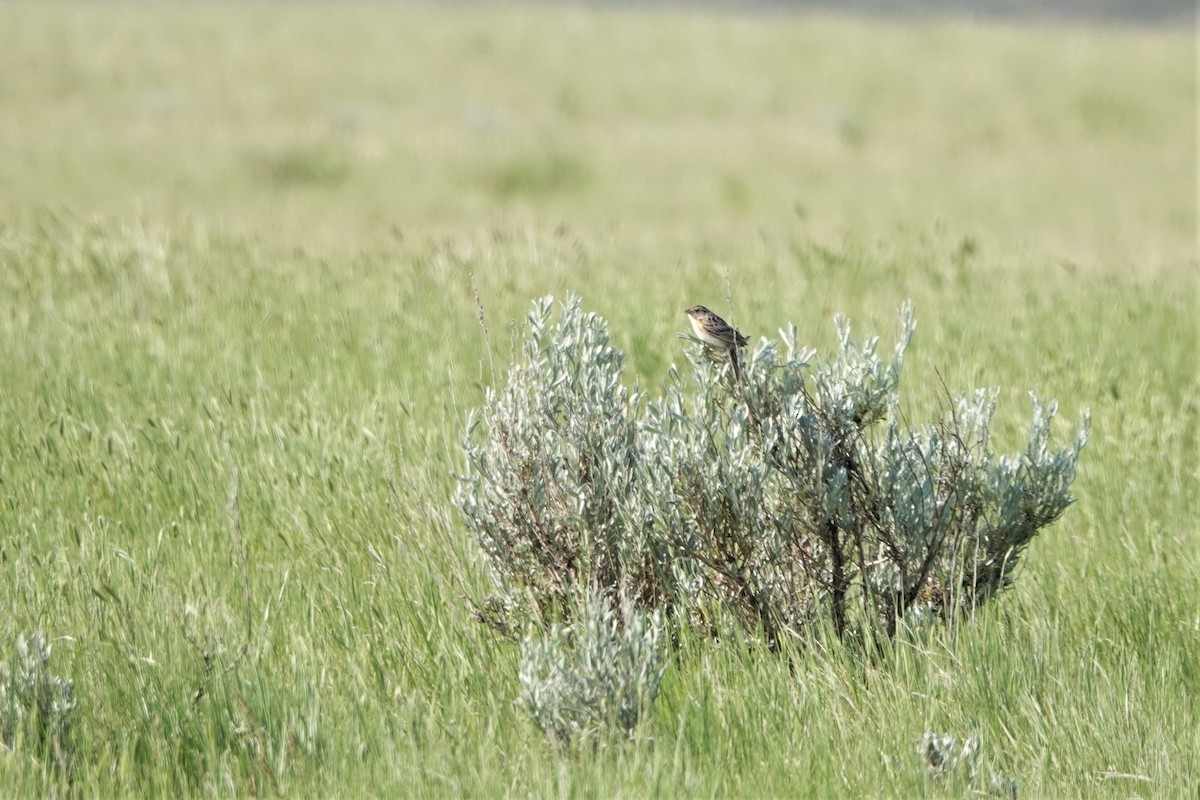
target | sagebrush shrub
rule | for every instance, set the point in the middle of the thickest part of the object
(794, 496)
(952, 760)
(553, 465)
(599, 671)
(37, 708)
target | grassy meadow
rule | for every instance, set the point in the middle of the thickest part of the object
(240, 251)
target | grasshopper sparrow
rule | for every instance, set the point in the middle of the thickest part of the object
(717, 334)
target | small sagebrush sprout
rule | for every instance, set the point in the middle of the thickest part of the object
(717, 334)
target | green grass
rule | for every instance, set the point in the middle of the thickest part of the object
(236, 259)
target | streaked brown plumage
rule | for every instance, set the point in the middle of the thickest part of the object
(717, 334)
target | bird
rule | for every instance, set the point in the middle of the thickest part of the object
(717, 334)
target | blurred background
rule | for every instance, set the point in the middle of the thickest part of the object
(1151, 11)
(1069, 127)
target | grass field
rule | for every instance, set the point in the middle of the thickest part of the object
(240, 338)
